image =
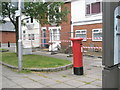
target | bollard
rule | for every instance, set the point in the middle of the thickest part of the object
(8, 44)
(77, 56)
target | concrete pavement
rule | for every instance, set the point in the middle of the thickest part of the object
(63, 79)
(92, 77)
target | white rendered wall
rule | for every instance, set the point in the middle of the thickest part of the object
(35, 31)
(78, 10)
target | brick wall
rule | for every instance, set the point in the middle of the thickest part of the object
(8, 37)
(89, 34)
(65, 27)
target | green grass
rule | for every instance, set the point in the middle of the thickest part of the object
(33, 61)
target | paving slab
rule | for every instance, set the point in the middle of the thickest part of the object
(97, 83)
(35, 77)
(74, 83)
(89, 86)
(48, 82)
(32, 85)
(85, 79)
(95, 76)
(6, 83)
(61, 85)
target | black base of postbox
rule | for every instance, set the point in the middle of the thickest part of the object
(78, 70)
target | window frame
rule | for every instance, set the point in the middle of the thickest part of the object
(31, 37)
(58, 33)
(86, 9)
(99, 30)
(91, 8)
(81, 33)
(24, 37)
(24, 32)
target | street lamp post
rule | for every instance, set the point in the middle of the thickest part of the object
(19, 38)
(20, 5)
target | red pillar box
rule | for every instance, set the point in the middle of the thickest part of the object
(77, 56)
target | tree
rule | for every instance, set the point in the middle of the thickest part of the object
(44, 13)
(47, 13)
(8, 11)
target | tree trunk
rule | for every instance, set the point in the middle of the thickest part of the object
(17, 35)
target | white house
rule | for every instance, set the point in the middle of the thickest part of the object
(30, 32)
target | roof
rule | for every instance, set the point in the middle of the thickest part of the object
(8, 26)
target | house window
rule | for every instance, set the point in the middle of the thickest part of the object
(44, 35)
(24, 37)
(93, 8)
(27, 21)
(29, 36)
(97, 35)
(81, 34)
(23, 31)
(33, 36)
(55, 34)
(88, 9)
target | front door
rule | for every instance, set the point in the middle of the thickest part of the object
(44, 37)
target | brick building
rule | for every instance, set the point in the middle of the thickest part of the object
(87, 21)
(87, 33)
(29, 35)
(84, 21)
(7, 33)
(51, 33)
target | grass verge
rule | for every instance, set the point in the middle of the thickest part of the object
(33, 61)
